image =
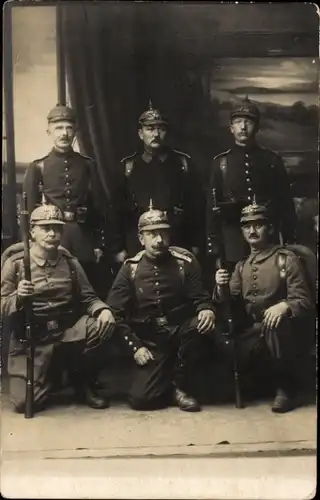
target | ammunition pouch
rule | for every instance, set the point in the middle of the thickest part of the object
(80, 215)
(48, 328)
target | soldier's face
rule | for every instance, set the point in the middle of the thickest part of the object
(153, 136)
(243, 129)
(62, 134)
(155, 242)
(47, 236)
(257, 233)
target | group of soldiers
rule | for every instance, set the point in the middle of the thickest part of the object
(159, 306)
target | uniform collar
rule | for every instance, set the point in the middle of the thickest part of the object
(59, 154)
(158, 260)
(148, 157)
(42, 262)
(263, 254)
(251, 147)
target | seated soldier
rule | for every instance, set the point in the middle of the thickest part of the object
(270, 287)
(66, 314)
(161, 310)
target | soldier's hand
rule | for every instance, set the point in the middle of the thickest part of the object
(206, 321)
(222, 277)
(142, 356)
(25, 289)
(273, 315)
(105, 323)
(98, 253)
(120, 257)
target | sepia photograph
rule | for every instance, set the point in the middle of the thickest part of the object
(159, 250)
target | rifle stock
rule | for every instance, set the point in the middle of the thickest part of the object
(29, 410)
(227, 310)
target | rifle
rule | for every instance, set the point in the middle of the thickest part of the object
(229, 331)
(24, 220)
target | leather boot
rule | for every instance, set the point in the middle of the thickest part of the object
(94, 399)
(186, 402)
(284, 403)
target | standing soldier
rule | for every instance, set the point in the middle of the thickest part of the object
(244, 173)
(70, 181)
(164, 175)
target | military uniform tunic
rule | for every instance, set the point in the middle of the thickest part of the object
(237, 176)
(70, 181)
(258, 283)
(257, 280)
(62, 315)
(170, 180)
(155, 303)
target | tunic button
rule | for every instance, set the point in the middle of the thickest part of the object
(134, 349)
(248, 179)
(247, 171)
(67, 175)
(126, 338)
(255, 294)
(249, 189)
(247, 164)
(254, 277)
(66, 161)
(130, 343)
(253, 301)
(157, 283)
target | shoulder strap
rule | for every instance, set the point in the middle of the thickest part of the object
(128, 167)
(133, 263)
(40, 165)
(183, 159)
(180, 254)
(282, 264)
(73, 274)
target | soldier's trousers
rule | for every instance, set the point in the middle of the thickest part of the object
(284, 349)
(176, 351)
(79, 343)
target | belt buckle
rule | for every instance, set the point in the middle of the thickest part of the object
(68, 216)
(162, 321)
(52, 325)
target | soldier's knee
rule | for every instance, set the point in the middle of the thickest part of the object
(193, 325)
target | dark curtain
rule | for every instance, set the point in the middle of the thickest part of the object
(99, 41)
(118, 56)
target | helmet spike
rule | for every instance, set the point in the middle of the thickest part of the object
(151, 204)
(150, 104)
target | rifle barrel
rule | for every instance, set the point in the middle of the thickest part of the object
(24, 220)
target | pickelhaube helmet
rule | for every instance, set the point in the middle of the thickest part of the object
(152, 117)
(153, 219)
(246, 108)
(254, 212)
(46, 214)
(59, 113)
